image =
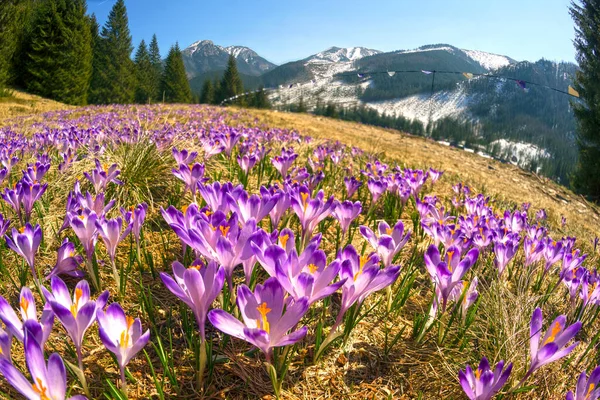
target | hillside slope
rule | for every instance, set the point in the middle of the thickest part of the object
(504, 182)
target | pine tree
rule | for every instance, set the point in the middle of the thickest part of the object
(586, 15)
(59, 55)
(174, 84)
(116, 83)
(208, 93)
(7, 41)
(231, 84)
(260, 99)
(157, 65)
(145, 91)
(95, 92)
(21, 15)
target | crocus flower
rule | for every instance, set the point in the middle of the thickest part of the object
(13, 198)
(283, 162)
(504, 254)
(253, 206)
(190, 175)
(434, 175)
(553, 252)
(541, 215)
(49, 379)
(26, 242)
(36, 172)
(534, 250)
(110, 232)
(138, 218)
(484, 383)
(197, 286)
(95, 203)
(4, 224)
(352, 185)
(310, 211)
(265, 324)
(84, 226)
(554, 341)
(389, 242)
(279, 209)
(30, 193)
(102, 176)
(446, 275)
(363, 276)
(587, 388)
(67, 262)
(28, 311)
(377, 187)
(346, 212)
(183, 156)
(247, 162)
(5, 344)
(121, 335)
(470, 297)
(76, 313)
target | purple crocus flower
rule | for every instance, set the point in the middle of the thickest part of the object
(352, 185)
(484, 383)
(363, 276)
(95, 204)
(346, 212)
(554, 341)
(283, 162)
(446, 275)
(138, 218)
(13, 198)
(5, 344)
(216, 197)
(280, 207)
(28, 311)
(3, 174)
(253, 206)
(504, 254)
(197, 286)
(102, 176)
(183, 156)
(121, 335)
(310, 211)
(247, 162)
(67, 262)
(35, 173)
(265, 325)
(84, 226)
(4, 224)
(25, 242)
(534, 250)
(587, 388)
(110, 232)
(76, 313)
(377, 187)
(553, 252)
(29, 194)
(541, 215)
(434, 175)
(389, 242)
(49, 379)
(190, 175)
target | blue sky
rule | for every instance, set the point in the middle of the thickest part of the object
(287, 30)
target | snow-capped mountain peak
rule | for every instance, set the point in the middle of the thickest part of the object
(345, 54)
(488, 61)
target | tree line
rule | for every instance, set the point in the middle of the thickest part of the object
(54, 49)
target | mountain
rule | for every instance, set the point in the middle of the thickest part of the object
(532, 127)
(204, 57)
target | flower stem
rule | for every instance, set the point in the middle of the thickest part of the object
(83, 380)
(123, 382)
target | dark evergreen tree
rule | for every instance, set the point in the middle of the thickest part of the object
(208, 93)
(157, 66)
(59, 55)
(21, 15)
(7, 41)
(231, 84)
(94, 92)
(116, 83)
(174, 83)
(259, 99)
(586, 14)
(145, 91)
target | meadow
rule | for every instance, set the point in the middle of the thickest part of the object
(205, 252)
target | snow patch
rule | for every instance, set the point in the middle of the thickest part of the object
(488, 61)
(518, 153)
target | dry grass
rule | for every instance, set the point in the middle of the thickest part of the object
(361, 370)
(504, 182)
(20, 104)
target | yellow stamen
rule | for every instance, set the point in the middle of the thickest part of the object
(477, 373)
(590, 390)
(75, 306)
(81, 217)
(363, 261)
(208, 213)
(224, 230)
(304, 200)
(450, 254)
(312, 268)
(263, 323)
(22, 229)
(284, 239)
(24, 305)
(184, 209)
(555, 331)
(105, 167)
(389, 231)
(125, 337)
(40, 389)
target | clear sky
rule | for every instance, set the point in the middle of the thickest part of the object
(288, 30)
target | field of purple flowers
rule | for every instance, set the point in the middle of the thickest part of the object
(185, 252)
